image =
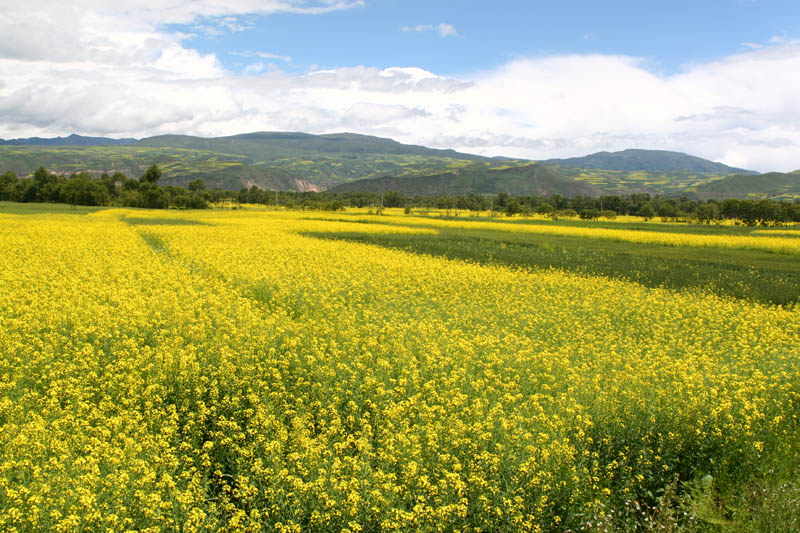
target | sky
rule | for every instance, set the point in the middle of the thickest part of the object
(531, 79)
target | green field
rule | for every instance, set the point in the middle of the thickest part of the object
(16, 208)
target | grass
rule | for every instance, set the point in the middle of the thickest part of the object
(624, 223)
(155, 242)
(14, 208)
(766, 501)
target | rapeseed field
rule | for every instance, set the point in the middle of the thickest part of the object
(225, 371)
(772, 241)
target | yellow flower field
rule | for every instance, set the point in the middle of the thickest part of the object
(220, 371)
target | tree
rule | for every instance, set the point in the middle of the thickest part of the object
(502, 199)
(731, 208)
(646, 211)
(151, 175)
(707, 212)
(46, 185)
(667, 210)
(197, 185)
(394, 199)
(7, 183)
(513, 207)
(130, 185)
(42, 177)
(564, 213)
(153, 197)
(767, 212)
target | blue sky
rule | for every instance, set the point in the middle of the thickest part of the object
(669, 34)
(713, 78)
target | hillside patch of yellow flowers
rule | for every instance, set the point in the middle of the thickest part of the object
(237, 375)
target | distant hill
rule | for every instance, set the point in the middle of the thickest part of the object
(180, 166)
(235, 177)
(305, 162)
(639, 181)
(264, 146)
(287, 161)
(660, 161)
(477, 179)
(325, 160)
(72, 140)
(774, 185)
(656, 172)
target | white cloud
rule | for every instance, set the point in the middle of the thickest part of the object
(254, 68)
(418, 29)
(115, 71)
(444, 29)
(782, 39)
(262, 55)
(54, 30)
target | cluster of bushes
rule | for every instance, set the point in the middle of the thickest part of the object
(83, 189)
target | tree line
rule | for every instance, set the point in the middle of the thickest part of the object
(118, 189)
(749, 212)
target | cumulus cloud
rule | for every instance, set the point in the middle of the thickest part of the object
(117, 72)
(53, 30)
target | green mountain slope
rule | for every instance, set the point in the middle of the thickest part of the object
(773, 185)
(477, 179)
(126, 159)
(180, 166)
(660, 161)
(302, 161)
(639, 181)
(264, 146)
(656, 172)
(325, 160)
(72, 140)
(287, 161)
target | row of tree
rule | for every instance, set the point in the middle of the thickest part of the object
(749, 212)
(118, 189)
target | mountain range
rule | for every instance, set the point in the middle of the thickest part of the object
(632, 160)
(347, 162)
(532, 178)
(72, 140)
